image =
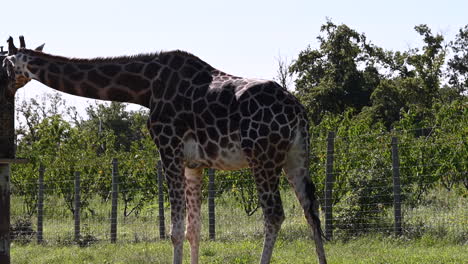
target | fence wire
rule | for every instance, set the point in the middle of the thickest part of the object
(362, 201)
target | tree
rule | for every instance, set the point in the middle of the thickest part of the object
(40, 130)
(413, 79)
(283, 76)
(428, 66)
(458, 64)
(58, 138)
(340, 74)
(125, 125)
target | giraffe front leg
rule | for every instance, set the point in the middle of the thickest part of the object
(175, 183)
(193, 181)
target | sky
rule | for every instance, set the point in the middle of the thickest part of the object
(241, 37)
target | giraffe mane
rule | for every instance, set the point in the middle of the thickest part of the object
(182, 53)
(116, 59)
(187, 55)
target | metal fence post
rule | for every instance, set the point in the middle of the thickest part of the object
(396, 187)
(162, 225)
(329, 180)
(40, 205)
(76, 213)
(211, 204)
(115, 195)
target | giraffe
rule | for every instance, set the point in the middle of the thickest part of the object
(200, 117)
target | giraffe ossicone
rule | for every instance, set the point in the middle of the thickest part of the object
(200, 117)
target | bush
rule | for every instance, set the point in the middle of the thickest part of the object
(22, 230)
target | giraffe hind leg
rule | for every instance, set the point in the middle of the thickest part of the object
(297, 173)
(267, 182)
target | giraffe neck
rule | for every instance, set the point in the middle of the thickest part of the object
(122, 79)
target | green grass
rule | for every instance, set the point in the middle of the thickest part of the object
(362, 250)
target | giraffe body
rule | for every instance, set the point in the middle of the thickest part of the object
(199, 118)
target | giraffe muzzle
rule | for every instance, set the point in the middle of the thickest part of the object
(7, 82)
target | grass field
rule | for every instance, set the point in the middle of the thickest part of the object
(363, 250)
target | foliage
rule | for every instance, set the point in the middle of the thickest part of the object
(367, 95)
(458, 65)
(22, 230)
(63, 147)
(339, 75)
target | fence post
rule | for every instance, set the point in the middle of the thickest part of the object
(7, 155)
(76, 213)
(329, 180)
(40, 206)
(115, 193)
(162, 225)
(396, 186)
(211, 204)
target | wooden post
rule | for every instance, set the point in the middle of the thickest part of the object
(7, 151)
(115, 196)
(329, 180)
(7, 118)
(40, 206)
(162, 225)
(396, 187)
(211, 204)
(5, 236)
(76, 213)
(5, 213)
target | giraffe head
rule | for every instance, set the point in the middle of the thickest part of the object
(15, 62)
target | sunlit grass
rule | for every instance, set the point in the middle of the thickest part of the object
(362, 250)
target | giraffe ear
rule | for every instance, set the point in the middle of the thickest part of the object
(40, 47)
(22, 42)
(12, 50)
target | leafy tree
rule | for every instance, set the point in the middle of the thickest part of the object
(458, 64)
(64, 146)
(341, 74)
(113, 117)
(413, 80)
(138, 185)
(35, 144)
(428, 67)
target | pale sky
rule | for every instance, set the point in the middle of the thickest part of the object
(239, 37)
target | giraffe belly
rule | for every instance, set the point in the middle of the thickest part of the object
(230, 158)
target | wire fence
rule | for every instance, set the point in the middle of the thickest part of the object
(373, 183)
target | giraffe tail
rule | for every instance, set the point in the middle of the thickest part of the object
(309, 185)
(314, 208)
(310, 190)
